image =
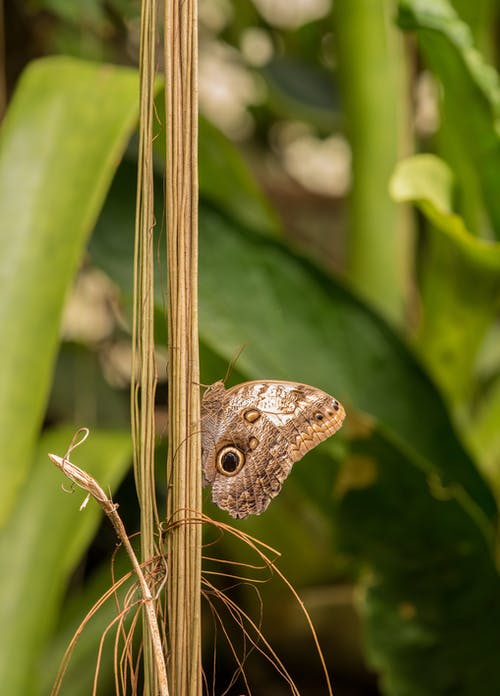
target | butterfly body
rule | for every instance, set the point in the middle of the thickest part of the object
(254, 432)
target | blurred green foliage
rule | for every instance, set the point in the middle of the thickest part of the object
(403, 502)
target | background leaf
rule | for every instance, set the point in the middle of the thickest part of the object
(432, 610)
(41, 545)
(53, 180)
(460, 277)
(299, 324)
(471, 105)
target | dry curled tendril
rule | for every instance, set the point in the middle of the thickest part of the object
(80, 477)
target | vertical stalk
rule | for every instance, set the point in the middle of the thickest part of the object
(144, 376)
(183, 464)
(372, 69)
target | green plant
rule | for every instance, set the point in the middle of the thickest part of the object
(405, 500)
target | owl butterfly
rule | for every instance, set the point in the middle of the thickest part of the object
(253, 433)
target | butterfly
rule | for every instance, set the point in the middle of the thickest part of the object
(253, 433)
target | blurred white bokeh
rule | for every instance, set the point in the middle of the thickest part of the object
(256, 46)
(321, 166)
(290, 14)
(215, 15)
(89, 314)
(426, 105)
(227, 87)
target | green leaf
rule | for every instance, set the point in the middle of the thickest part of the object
(460, 276)
(301, 90)
(81, 393)
(484, 434)
(480, 16)
(471, 92)
(226, 181)
(299, 324)
(41, 544)
(64, 133)
(431, 586)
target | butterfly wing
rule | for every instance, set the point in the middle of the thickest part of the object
(253, 433)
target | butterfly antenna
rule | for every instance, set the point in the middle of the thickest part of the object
(233, 362)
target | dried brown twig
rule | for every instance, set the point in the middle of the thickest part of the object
(89, 484)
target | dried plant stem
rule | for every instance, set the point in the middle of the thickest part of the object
(183, 465)
(144, 377)
(89, 484)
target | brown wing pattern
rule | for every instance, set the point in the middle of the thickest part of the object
(253, 433)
